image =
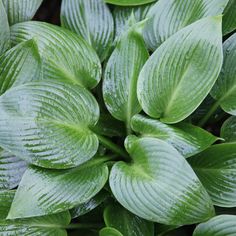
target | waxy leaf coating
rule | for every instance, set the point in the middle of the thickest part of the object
(229, 19)
(47, 123)
(228, 130)
(182, 71)
(159, 185)
(129, 2)
(109, 231)
(4, 30)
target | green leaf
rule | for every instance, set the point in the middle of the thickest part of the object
(223, 225)
(47, 123)
(89, 205)
(121, 75)
(122, 15)
(168, 17)
(224, 89)
(117, 217)
(44, 192)
(11, 170)
(186, 138)
(91, 20)
(51, 225)
(4, 30)
(108, 231)
(129, 2)
(19, 65)
(181, 72)
(22, 10)
(216, 169)
(65, 56)
(228, 130)
(159, 185)
(229, 19)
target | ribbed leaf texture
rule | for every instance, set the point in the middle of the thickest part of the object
(228, 130)
(168, 17)
(229, 19)
(91, 20)
(129, 2)
(181, 72)
(46, 122)
(65, 56)
(159, 185)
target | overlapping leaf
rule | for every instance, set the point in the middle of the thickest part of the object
(228, 130)
(168, 17)
(221, 225)
(229, 19)
(109, 231)
(11, 170)
(121, 75)
(181, 72)
(224, 91)
(186, 138)
(50, 225)
(129, 2)
(159, 185)
(43, 192)
(19, 65)
(117, 217)
(65, 55)
(216, 169)
(47, 123)
(4, 30)
(21, 10)
(92, 20)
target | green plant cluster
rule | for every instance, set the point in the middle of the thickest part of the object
(121, 121)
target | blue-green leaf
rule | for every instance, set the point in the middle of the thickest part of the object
(129, 2)
(229, 19)
(228, 130)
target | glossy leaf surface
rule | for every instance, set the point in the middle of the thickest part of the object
(51, 225)
(121, 75)
(11, 170)
(228, 130)
(224, 90)
(229, 19)
(43, 192)
(186, 138)
(108, 231)
(117, 217)
(152, 186)
(19, 65)
(47, 123)
(129, 2)
(91, 20)
(216, 169)
(65, 56)
(181, 72)
(4, 29)
(168, 17)
(221, 225)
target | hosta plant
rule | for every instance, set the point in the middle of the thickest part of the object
(119, 122)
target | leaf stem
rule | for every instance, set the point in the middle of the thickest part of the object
(113, 147)
(204, 120)
(83, 226)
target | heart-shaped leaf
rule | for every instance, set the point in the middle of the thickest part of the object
(117, 217)
(129, 2)
(108, 231)
(222, 225)
(4, 30)
(11, 170)
(122, 15)
(65, 56)
(44, 192)
(43, 226)
(186, 138)
(19, 65)
(92, 20)
(216, 169)
(88, 206)
(181, 72)
(228, 130)
(121, 75)
(224, 90)
(47, 123)
(22, 10)
(229, 19)
(168, 17)
(159, 185)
